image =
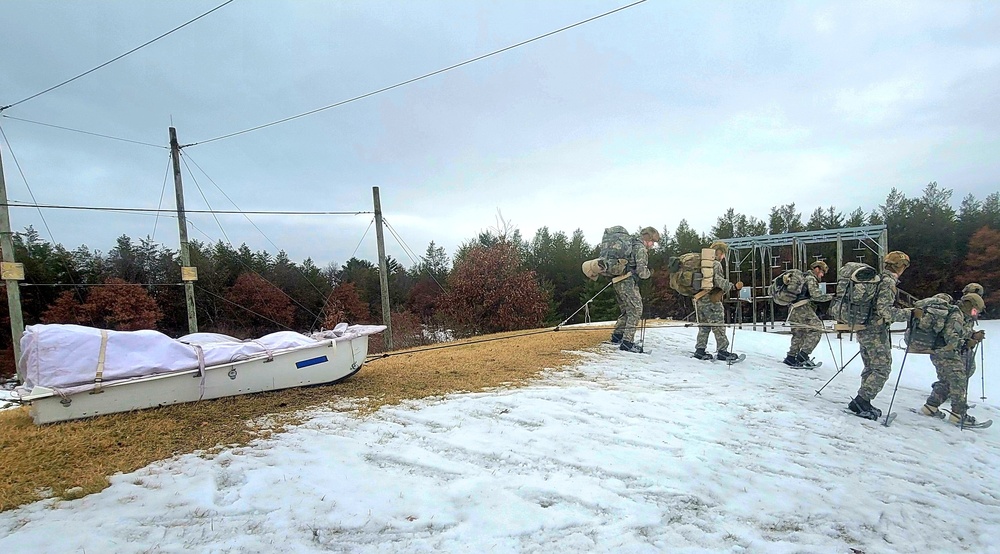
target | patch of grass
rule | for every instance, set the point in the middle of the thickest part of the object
(73, 459)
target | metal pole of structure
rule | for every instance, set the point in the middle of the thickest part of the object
(883, 248)
(189, 274)
(383, 270)
(12, 272)
(840, 252)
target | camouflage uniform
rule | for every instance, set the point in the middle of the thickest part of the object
(806, 325)
(709, 310)
(627, 291)
(950, 362)
(876, 350)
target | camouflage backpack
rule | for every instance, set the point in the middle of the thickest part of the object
(787, 288)
(857, 288)
(926, 334)
(616, 251)
(685, 273)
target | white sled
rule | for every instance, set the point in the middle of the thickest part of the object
(75, 372)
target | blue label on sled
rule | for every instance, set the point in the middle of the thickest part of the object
(311, 361)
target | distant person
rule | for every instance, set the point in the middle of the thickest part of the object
(622, 253)
(710, 312)
(807, 328)
(951, 360)
(876, 350)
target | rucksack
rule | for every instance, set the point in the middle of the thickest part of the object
(616, 251)
(925, 335)
(858, 285)
(788, 288)
(690, 273)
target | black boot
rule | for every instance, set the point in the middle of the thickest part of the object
(616, 338)
(792, 361)
(864, 408)
(726, 356)
(701, 354)
(629, 346)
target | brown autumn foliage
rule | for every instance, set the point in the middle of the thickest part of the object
(490, 291)
(258, 305)
(407, 332)
(116, 305)
(344, 305)
(424, 298)
(982, 265)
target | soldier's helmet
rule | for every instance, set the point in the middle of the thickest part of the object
(821, 265)
(975, 288)
(897, 260)
(972, 301)
(720, 246)
(650, 234)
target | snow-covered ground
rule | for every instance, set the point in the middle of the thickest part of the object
(621, 453)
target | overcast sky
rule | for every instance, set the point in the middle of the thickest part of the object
(662, 111)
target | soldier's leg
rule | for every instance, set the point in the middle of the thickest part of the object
(940, 390)
(811, 332)
(877, 354)
(633, 309)
(953, 369)
(717, 315)
(620, 299)
(703, 330)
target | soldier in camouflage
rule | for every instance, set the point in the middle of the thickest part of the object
(709, 310)
(970, 355)
(876, 350)
(806, 325)
(951, 360)
(627, 290)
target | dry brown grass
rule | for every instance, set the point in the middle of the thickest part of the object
(73, 459)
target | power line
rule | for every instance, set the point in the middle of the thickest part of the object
(84, 132)
(37, 94)
(15, 204)
(415, 79)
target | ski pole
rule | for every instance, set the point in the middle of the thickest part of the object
(982, 371)
(613, 281)
(888, 411)
(836, 374)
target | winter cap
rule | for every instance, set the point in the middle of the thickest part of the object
(974, 288)
(592, 269)
(720, 246)
(897, 259)
(820, 264)
(650, 234)
(972, 300)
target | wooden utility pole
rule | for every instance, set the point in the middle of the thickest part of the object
(383, 271)
(12, 273)
(189, 274)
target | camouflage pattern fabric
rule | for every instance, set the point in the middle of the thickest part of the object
(807, 329)
(630, 305)
(712, 313)
(876, 350)
(952, 383)
(950, 363)
(639, 261)
(709, 310)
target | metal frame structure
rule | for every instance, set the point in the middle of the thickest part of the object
(758, 252)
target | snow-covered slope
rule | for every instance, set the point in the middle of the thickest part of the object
(622, 453)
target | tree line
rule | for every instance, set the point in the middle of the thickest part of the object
(497, 281)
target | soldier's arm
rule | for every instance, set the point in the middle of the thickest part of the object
(885, 305)
(719, 280)
(812, 285)
(642, 262)
(954, 332)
